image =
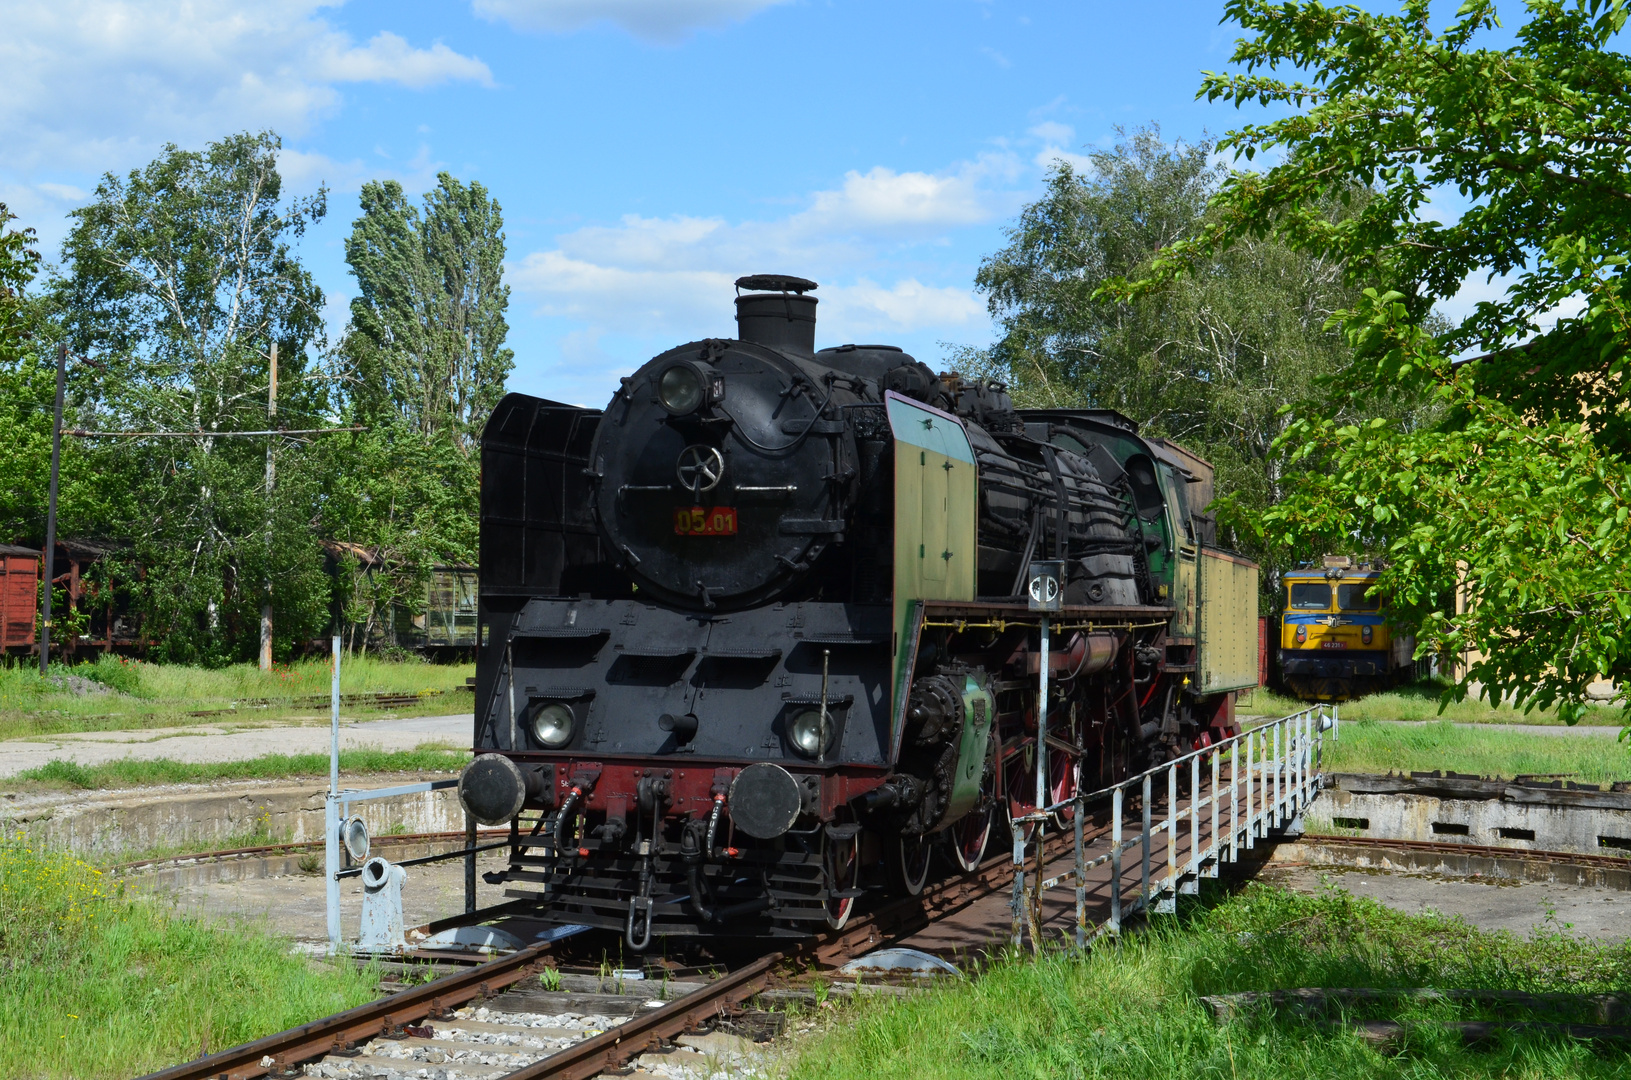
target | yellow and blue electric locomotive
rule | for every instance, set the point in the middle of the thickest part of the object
(1335, 642)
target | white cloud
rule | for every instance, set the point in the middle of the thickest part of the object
(65, 192)
(91, 84)
(1052, 131)
(883, 197)
(907, 305)
(664, 21)
(1055, 136)
(644, 283)
(1079, 163)
(389, 58)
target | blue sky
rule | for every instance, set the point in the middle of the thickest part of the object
(645, 152)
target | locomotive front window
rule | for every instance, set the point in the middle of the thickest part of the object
(1315, 595)
(1353, 598)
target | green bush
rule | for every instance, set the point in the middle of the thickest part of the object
(115, 673)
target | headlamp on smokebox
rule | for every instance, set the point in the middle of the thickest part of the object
(685, 387)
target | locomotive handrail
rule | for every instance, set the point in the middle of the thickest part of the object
(1279, 776)
(1002, 624)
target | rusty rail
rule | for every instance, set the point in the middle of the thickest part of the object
(388, 1015)
(344, 1030)
(610, 1049)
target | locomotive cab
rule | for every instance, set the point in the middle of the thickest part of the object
(1335, 641)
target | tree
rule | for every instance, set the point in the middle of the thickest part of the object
(179, 278)
(27, 387)
(426, 362)
(19, 263)
(427, 328)
(1518, 496)
(1208, 362)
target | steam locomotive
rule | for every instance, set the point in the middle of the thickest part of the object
(753, 638)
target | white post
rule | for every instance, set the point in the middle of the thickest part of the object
(1217, 853)
(1172, 828)
(331, 867)
(1115, 858)
(1195, 815)
(331, 814)
(334, 724)
(1274, 819)
(1042, 729)
(1251, 799)
(1234, 799)
(1144, 889)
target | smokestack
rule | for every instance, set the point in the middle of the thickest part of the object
(776, 313)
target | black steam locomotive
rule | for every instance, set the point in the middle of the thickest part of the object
(753, 644)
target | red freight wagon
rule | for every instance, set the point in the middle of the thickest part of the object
(19, 597)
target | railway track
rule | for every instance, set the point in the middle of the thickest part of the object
(454, 1021)
(499, 1019)
(1487, 851)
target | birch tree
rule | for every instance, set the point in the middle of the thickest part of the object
(179, 277)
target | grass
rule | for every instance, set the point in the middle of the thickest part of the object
(1420, 701)
(1131, 1009)
(98, 984)
(1369, 747)
(164, 695)
(132, 772)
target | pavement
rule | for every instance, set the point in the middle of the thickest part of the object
(296, 905)
(224, 742)
(1521, 908)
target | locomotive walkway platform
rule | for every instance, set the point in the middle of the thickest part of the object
(1218, 803)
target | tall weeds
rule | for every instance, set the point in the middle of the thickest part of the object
(1132, 1009)
(97, 984)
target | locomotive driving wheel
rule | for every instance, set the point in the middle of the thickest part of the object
(838, 865)
(907, 863)
(1019, 775)
(1062, 784)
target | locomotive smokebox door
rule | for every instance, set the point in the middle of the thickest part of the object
(1046, 591)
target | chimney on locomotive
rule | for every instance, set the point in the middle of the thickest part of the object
(776, 313)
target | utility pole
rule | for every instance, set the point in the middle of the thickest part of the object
(271, 479)
(51, 514)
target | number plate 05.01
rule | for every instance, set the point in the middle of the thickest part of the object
(704, 521)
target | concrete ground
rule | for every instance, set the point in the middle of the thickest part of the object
(223, 742)
(295, 905)
(1522, 908)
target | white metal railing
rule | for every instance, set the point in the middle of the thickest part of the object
(1240, 789)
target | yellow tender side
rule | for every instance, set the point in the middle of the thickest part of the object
(1227, 645)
